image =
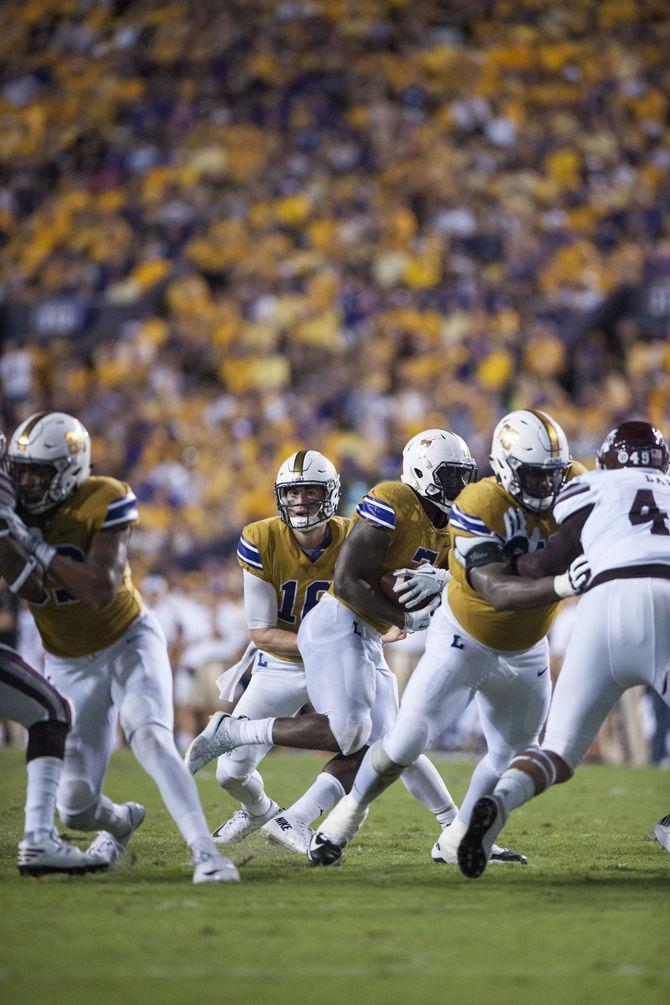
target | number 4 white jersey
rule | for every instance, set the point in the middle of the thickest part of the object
(629, 525)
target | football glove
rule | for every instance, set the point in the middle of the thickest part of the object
(416, 621)
(419, 584)
(28, 538)
(516, 533)
(575, 580)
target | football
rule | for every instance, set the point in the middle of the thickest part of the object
(386, 584)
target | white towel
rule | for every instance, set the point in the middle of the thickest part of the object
(229, 679)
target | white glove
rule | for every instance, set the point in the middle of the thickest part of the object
(416, 621)
(29, 538)
(419, 584)
(516, 533)
(575, 580)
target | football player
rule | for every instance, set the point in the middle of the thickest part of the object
(287, 564)
(473, 648)
(348, 681)
(619, 516)
(27, 698)
(104, 651)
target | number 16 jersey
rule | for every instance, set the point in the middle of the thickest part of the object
(629, 523)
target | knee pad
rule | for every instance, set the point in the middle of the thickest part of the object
(136, 712)
(149, 740)
(229, 770)
(383, 764)
(499, 759)
(77, 805)
(354, 736)
(406, 742)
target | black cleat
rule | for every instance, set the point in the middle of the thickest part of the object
(323, 851)
(474, 849)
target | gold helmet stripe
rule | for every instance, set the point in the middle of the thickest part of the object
(551, 431)
(25, 435)
(298, 463)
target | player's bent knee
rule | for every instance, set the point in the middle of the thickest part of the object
(404, 744)
(383, 764)
(231, 771)
(354, 735)
(137, 712)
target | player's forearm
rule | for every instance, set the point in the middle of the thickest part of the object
(276, 639)
(369, 602)
(20, 571)
(506, 592)
(89, 582)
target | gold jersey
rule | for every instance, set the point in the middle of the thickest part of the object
(479, 511)
(414, 539)
(269, 549)
(69, 627)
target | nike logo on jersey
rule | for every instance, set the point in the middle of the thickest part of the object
(540, 672)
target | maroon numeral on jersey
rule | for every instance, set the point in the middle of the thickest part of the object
(645, 510)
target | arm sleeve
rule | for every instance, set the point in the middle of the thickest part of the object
(563, 547)
(260, 602)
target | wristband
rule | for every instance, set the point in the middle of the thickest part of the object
(25, 573)
(45, 554)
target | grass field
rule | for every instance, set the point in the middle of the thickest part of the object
(586, 921)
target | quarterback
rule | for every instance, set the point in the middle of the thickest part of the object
(104, 652)
(287, 563)
(618, 516)
(473, 648)
(348, 681)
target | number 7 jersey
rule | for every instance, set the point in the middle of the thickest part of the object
(629, 523)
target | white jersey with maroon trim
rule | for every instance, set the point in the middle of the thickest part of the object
(629, 525)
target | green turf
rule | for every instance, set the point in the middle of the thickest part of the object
(586, 921)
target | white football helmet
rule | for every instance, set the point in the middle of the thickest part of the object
(305, 469)
(437, 464)
(530, 458)
(58, 449)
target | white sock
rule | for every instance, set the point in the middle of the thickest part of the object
(43, 777)
(253, 731)
(154, 748)
(514, 789)
(112, 817)
(324, 793)
(482, 783)
(426, 784)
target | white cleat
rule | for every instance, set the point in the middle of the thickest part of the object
(210, 867)
(445, 849)
(214, 740)
(662, 832)
(111, 848)
(50, 853)
(337, 830)
(243, 823)
(486, 822)
(294, 835)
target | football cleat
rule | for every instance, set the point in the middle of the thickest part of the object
(443, 853)
(52, 854)
(243, 823)
(486, 821)
(210, 867)
(111, 848)
(662, 832)
(336, 831)
(214, 740)
(294, 835)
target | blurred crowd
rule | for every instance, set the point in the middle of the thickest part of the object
(232, 229)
